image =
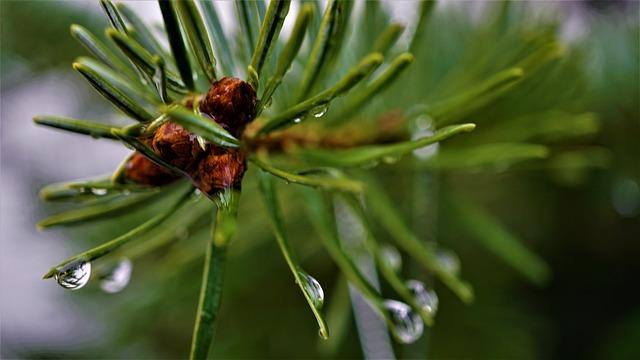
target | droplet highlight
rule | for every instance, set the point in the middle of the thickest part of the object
(313, 288)
(423, 127)
(448, 260)
(407, 326)
(99, 192)
(320, 110)
(391, 256)
(625, 197)
(74, 275)
(268, 103)
(117, 278)
(425, 297)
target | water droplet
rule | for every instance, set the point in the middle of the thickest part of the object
(426, 298)
(625, 197)
(448, 260)
(319, 110)
(297, 120)
(117, 278)
(423, 123)
(371, 164)
(390, 159)
(391, 256)
(313, 288)
(268, 103)
(423, 127)
(406, 326)
(99, 192)
(74, 275)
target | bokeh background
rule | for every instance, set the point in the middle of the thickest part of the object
(586, 223)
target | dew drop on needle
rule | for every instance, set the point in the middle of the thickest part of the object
(74, 275)
(117, 278)
(407, 326)
(313, 288)
(425, 297)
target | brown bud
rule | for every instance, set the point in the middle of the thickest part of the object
(176, 146)
(143, 171)
(220, 169)
(231, 102)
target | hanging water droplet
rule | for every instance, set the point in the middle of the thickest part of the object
(426, 298)
(297, 120)
(117, 278)
(423, 127)
(625, 197)
(423, 123)
(74, 275)
(448, 260)
(391, 256)
(371, 164)
(313, 288)
(319, 110)
(268, 103)
(99, 192)
(406, 326)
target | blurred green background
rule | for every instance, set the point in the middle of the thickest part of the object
(581, 216)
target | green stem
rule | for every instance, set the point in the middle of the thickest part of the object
(211, 289)
(426, 9)
(340, 184)
(247, 28)
(277, 223)
(178, 47)
(371, 154)
(96, 212)
(78, 126)
(368, 93)
(269, 32)
(384, 211)
(326, 45)
(107, 89)
(202, 126)
(114, 16)
(295, 114)
(197, 36)
(388, 38)
(321, 214)
(98, 49)
(288, 54)
(114, 244)
(390, 275)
